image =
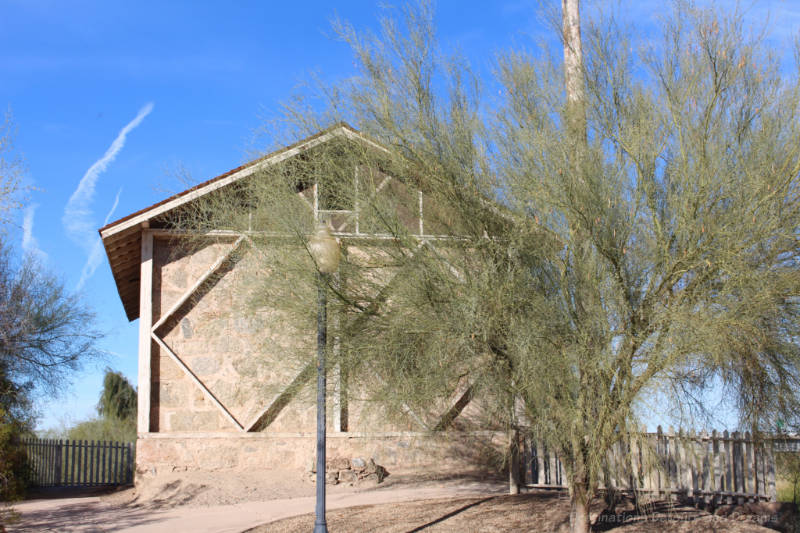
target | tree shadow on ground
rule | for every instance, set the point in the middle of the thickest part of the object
(55, 493)
(83, 511)
(449, 515)
(658, 510)
(90, 515)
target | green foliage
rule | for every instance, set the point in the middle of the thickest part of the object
(117, 413)
(564, 275)
(104, 429)
(44, 332)
(788, 470)
(118, 398)
(15, 421)
(14, 469)
(47, 332)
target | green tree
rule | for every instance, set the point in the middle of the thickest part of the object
(577, 257)
(45, 333)
(103, 429)
(788, 465)
(118, 398)
(116, 409)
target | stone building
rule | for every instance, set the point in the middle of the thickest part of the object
(203, 403)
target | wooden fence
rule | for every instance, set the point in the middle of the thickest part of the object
(720, 467)
(79, 463)
(787, 444)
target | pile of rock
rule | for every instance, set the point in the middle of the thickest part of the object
(351, 471)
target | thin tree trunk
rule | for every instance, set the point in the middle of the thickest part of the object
(513, 462)
(579, 509)
(579, 490)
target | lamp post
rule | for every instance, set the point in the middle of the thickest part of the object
(325, 251)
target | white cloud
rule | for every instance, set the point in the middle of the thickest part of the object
(78, 219)
(78, 216)
(29, 243)
(96, 253)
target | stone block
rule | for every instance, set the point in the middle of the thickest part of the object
(186, 328)
(168, 370)
(348, 476)
(337, 463)
(186, 420)
(205, 366)
(172, 394)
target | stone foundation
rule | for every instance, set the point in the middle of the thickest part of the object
(161, 453)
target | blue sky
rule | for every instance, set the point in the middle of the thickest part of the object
(112, 98)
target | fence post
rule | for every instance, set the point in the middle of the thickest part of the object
(103, 465)
(750, 461)
(750, 482)
(672, 463)
(51, 461)
(513, 461)
(684, 466)
(738, 461)
(648, 463)
(73, 463)
(59, 462)
(130, 463)
(771, 494)
(115, 462)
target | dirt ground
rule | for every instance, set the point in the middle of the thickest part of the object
(205, 489)
(407, 502)
(225, 503)
(537, 512)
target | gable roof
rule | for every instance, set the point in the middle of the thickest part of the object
(122, 238)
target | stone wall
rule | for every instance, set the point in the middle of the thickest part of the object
(176, 452)
(244, 358)
(247, 358)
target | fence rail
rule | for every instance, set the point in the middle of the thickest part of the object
(720, 467)
(79, 463)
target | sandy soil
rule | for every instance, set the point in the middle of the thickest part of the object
(204, 489)
(535, 513)
(210, 504)
(283, 501)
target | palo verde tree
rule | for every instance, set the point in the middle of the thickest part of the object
(579, 252)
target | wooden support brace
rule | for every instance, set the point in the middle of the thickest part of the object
(451, 414)
(145, 320)
(197, 382)
(197, 284)
(268, 415)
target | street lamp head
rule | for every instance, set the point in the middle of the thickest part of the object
(325, 250)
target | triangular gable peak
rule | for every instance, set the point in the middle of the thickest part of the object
(122, 238)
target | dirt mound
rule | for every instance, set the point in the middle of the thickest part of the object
(203, 489)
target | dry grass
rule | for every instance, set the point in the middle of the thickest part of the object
(535, 512)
